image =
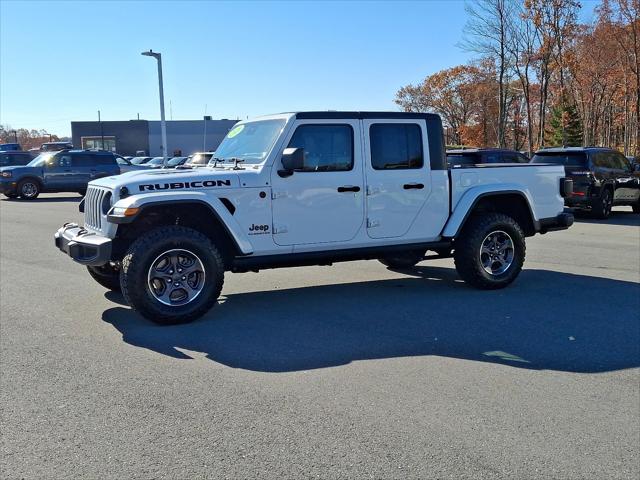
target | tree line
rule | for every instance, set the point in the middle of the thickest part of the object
(26, 138)
(540, 78)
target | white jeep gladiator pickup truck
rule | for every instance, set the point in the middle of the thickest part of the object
(310, 188)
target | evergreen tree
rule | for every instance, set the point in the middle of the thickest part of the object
(568, 118)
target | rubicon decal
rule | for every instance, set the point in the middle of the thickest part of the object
(183, 185)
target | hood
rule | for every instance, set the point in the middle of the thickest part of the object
(19, 169)
(150, 180)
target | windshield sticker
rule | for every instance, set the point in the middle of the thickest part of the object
(235, 131)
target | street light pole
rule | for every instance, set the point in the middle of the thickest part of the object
(163, 123)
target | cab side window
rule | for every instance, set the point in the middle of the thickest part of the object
(396, 146)
(327, 148)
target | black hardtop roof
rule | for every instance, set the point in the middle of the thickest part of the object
(480, 150)
(79, 150)
(575, 149)
(330, 115)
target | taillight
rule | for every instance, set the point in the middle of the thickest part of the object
(566, 187)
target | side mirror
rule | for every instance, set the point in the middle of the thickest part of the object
(292, 160)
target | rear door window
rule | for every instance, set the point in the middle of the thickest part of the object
(83, 160)
(396, 146)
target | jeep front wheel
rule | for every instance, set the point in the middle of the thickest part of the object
(490, 251)
(172, 275)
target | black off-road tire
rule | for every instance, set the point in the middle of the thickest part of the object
(11, 195)
(139, 259)
(30, 185)
(602, 208)
(107, 276)
(402, 260)
(467, 250)
(636, 207)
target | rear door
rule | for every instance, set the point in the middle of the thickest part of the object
(397, 174)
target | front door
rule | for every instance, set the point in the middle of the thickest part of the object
(397, 175)
(58, 172)
(324, 201)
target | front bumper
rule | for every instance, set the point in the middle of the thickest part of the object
(560, 222)
(7, 186)
(84, 247)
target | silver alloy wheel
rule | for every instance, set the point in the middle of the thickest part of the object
(29, 189)
(176, 277)
(497, 252)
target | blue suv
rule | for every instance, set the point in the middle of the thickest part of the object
(64, 171)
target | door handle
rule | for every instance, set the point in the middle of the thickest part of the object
(348, 188)
(416, 186)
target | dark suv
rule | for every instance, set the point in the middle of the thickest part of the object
(602, 178)
(64, 171)
(473, 156)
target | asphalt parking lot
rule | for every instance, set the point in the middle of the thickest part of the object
(350, 371)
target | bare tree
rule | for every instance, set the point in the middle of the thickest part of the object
(487, 33)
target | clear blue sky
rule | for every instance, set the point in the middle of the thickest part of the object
(63, 61)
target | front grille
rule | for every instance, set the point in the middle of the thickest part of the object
(94, 206)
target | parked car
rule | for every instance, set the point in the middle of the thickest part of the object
(199, 159)
(64, 171)
(475, 156)
(14, 157)
(140, 160)
(126, 165)
(10, 147)
(155, 162)
(55, 146)
(602, 178)
(171, 162)
(176, 161)
(314, 188)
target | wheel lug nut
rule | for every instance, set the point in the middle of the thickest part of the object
(184, 278)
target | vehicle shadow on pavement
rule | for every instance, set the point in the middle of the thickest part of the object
(545, 321)
(617, 218)
(41, 199)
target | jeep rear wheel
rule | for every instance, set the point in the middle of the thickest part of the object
(402, 259)
(107, 276)
(490, 251)
(28, 189)
(172, 275)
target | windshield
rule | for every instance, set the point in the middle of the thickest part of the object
(250, 141)
(40, 160)
(573, 159)
(156, 161)
(138, 160)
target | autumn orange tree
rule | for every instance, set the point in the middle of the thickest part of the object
(541, 76)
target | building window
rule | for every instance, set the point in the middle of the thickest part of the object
(95, 143)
